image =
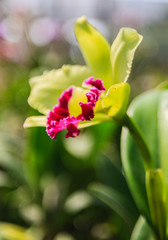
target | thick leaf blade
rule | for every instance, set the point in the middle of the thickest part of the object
(144, 112)
(122, 53)
(156, 198)
(95, 49)
(46, 89)
(114, 200)
(163, 140)
(10, 160)
(142, 230)
(111, 174)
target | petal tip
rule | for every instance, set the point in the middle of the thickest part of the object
(81, 20)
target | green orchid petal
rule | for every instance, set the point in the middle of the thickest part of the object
(40, 121)
(95, 49)
(35, 121)
(122, 53)
(46, 89)
(116, 100)
(98, 118)
(98, 107)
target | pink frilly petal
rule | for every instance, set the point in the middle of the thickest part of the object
(71, 125)
(59, 118)
(60, 110)
(57, 113)
(98, 83)
(87, 110)
(92, 97)
(64, 99)
(53, 127)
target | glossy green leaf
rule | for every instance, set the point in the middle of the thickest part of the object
(122, 53)
(144, 112)
(111, 174)
(114, 199)
(14, 232)
(10, 160)
(142, 231)
(95, 49)
(116, 100)
(163, 137)
(149, 112)
(46, 89)
(35, 121)
(157, 200)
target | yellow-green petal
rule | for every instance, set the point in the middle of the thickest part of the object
(35, 121)
(122, 53)
(95, 49)
(116, 100)
(47, 88)
(98, 118)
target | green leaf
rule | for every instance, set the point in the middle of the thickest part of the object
(142, 230)
(116, 100)
(156, 198)
(95, 49)
(110, 173)
(114, 199)
(10, 160)
(163, 133)
(14, 232)
(149, 111)
(46, 89)
(163, 140)
(122, 53)
(144, 112)
(35, 121)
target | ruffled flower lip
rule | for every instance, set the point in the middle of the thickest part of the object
(60, 119)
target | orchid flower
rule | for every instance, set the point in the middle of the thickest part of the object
(74, 96)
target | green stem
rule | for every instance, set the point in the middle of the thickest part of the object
(136, 134)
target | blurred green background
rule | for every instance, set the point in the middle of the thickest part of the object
(68, 189)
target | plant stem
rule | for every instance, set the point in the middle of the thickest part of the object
(136, 134)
